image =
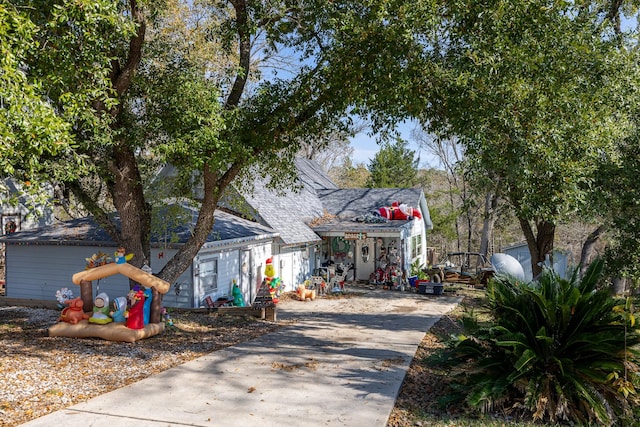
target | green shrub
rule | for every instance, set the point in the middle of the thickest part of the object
(556, 351)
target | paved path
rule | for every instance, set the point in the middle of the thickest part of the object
(337, 362)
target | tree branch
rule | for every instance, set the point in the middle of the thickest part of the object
(244, 41)
(98, 213)
(613, 14)
(122, 77)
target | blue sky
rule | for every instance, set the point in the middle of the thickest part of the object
(365, 147)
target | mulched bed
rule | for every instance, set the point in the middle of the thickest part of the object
(41, 374)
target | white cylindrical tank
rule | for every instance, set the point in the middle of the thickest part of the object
(506, 264)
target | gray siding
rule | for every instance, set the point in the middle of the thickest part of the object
(184, 293)
(37, 272)
(180, 294)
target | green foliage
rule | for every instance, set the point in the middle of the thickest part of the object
(29, 126)
(560, 350)
(349, 176)
(139, 85)
(417, 269)
(444, 222)
(64, 51)
(539, 93)
(621, 194)
(395, 165)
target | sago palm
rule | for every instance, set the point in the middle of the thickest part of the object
(560, 350)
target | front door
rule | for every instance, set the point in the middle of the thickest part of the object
(364, 258)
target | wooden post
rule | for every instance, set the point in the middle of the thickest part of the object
(156, 307)
(86, 293)
(271, 313)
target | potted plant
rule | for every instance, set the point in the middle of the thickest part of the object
(421, 280)
(418, 275)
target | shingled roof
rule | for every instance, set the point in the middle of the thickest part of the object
(293, 213)
(312, 175)
(348, 206)
(290, 213)
(85, 232)
(350, 202)
(287, 215)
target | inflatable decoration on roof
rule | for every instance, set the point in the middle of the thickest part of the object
(399, 211)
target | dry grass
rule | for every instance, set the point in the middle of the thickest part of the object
(41, 374)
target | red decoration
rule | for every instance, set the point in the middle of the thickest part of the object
(135, 319)
(399, 211)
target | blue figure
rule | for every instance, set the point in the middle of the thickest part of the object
(148, 295)
(119, 310)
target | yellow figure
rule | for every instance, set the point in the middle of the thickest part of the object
(269, 270)
(120, 256)
(273, 283)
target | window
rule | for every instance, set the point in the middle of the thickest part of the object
(416, 246)
(209, 275)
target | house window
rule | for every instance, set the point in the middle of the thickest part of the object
(209, 275)
(416, 246)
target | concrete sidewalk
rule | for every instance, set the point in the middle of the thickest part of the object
(337, 362)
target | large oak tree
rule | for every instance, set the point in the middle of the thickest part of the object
(214, 88)
(538, 94)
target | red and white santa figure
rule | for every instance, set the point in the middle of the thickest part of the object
(399, 211)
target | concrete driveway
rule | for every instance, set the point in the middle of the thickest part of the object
(336, 362)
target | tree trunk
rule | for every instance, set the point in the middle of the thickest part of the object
(620, 286)
(613, 14)
(586, 256)
(540, 245)
(469, 232)
(490, 206)
(129, 201)
(213, 186)
(453, 209)
(126, 188)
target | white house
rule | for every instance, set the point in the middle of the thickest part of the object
(300, 231)
(321, 223)
(41, 261)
